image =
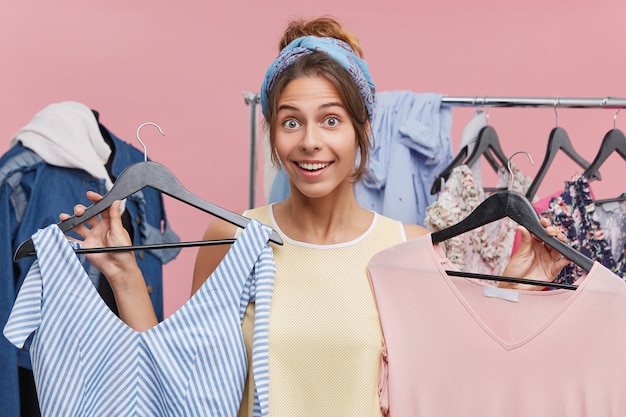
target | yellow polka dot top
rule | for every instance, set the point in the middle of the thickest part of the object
(325, 339)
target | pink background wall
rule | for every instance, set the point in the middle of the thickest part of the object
(184, 65)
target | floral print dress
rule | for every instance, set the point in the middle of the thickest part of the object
(486, 249)
(597, 231)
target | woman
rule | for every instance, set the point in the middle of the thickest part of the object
(325, 336)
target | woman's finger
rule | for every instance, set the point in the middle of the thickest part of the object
(93, 196)
(79, 209)
(81, 230)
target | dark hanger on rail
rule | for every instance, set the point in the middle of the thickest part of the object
(488, 142)
(134, 178)
(517, 207)
(487, 145)
(617, 199)
(558, 140)
(445, 174)
(613, 141)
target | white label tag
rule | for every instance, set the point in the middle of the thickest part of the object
(502, 293)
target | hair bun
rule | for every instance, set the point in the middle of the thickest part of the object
(324, 26)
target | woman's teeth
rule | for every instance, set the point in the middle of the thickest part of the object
(312, 167)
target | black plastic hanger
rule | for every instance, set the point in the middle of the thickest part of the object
(488, 141)
(515, 206)
(613, 141)
(445, 174)
(487, 145)
(558, 140)
(617, 199)
(132, 179)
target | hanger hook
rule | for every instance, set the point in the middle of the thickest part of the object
(508, 165)
(556, 113)
(145, 150)
(478, 103)
(604, 101)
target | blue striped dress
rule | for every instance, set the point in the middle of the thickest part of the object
(87, 362)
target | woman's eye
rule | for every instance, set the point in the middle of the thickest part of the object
(331, 121)
(291, 124)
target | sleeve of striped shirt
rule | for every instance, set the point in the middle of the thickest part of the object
(25, 316)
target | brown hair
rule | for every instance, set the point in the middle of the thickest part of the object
(323, 27)
(321, 65)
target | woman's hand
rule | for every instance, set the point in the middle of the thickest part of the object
(106, 231)
(120, 268)
(535, 259)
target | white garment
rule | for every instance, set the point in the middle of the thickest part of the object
(469, 137)
(66, 134)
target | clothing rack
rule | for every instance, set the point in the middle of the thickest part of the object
(253, 99)
(571, 102)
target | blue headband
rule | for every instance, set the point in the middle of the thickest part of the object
(337, 50)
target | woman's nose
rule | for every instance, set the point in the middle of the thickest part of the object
(310, 139)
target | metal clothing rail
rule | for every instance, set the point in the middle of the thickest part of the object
(253, 99)
(572, 102)
(478, 101)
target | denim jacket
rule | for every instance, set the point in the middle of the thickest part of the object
(32, 194)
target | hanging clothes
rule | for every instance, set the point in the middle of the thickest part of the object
(612, 218)
(469, 137)
(412, 145)
(66, 134)
(581, 221)
(34, 191)
(411, 138)
(475, 349)
(486, 249)
(86, 361)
